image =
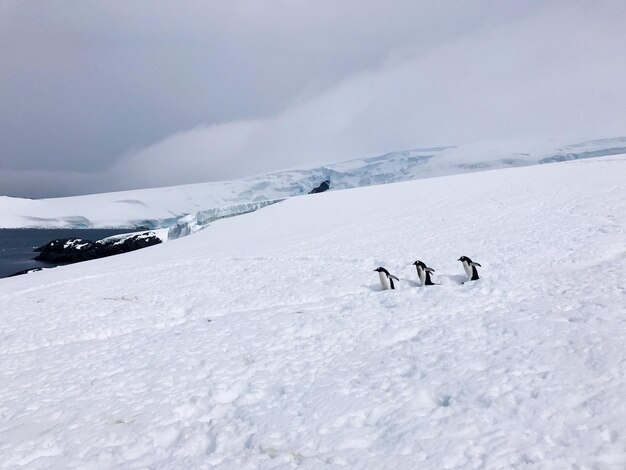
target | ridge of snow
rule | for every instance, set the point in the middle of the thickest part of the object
(266, 342)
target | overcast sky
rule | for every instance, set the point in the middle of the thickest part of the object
(98, 96)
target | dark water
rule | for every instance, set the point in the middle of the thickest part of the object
(16, 245)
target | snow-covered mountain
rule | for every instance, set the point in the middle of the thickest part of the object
(162, 207)
(265, 341)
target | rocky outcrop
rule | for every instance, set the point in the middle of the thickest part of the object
(73, 250)
(321, 188)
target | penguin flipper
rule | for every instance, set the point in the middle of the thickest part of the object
(475, 264)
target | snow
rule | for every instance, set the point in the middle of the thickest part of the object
(77, 243)
(265, 341)
(162, 207)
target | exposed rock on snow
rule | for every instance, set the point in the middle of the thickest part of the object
(73, 250)
(324, 186)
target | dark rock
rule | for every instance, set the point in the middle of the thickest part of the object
(73, 250)
(321, 188)
(25, 271)
(108, 247)
(65, 250)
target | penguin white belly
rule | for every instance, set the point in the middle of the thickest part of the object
(468, 270)
(422, 275)
(384, 281)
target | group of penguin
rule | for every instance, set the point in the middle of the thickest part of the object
(424, 272)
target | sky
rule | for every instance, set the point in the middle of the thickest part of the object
(103, 96)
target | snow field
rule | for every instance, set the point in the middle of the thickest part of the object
(264, 341)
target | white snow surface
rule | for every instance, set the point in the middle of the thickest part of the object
(264, 341)
(162, 207)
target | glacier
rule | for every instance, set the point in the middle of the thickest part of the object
(163, 207)
(195, 222)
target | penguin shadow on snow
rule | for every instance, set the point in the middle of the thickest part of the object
(411, 282)
(402, 284)
(470, 276)
(452, 279)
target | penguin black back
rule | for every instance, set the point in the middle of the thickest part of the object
(428, 281)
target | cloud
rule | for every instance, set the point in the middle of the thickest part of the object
(556, 74)
(44, 183)
(118, 95)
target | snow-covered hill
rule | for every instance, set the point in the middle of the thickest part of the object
(161, 207)
(264, 341)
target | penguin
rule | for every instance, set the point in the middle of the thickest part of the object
(386, 279)
(470, 268)
(424, 273)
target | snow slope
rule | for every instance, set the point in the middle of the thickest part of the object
(264, 341)
(161, 207)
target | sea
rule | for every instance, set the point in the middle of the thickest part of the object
(17, 245)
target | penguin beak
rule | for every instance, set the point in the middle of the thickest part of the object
(459, 259)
